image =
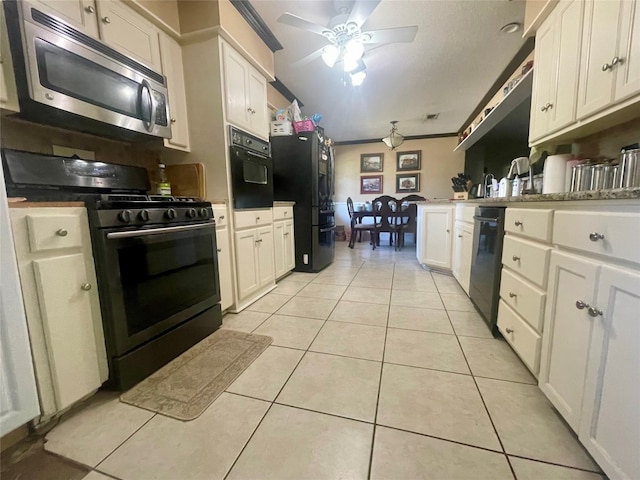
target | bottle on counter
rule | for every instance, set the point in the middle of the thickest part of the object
(164, 186)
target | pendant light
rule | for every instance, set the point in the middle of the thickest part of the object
(394, 139)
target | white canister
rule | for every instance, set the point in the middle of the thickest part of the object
(504, 190)
(555, 170)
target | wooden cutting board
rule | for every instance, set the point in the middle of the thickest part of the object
(187, 180)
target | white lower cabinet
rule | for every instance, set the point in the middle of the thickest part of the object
(434, 239)
(224, 257)
(255, 269)
(283, 239)
(60, 294)
(610, 421)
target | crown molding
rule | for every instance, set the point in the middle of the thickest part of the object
(256, 22)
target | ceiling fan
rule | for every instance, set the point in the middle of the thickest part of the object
(345, 37)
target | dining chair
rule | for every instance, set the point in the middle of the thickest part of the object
(404, 201)
(357, 228)
(387, 206)
(405, 222)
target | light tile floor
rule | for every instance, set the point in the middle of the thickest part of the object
(378, 369)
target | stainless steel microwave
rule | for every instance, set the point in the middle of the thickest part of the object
(69, 79)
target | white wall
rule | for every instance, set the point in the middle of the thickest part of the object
(439, 164)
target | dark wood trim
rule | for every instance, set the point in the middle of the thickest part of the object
(285, 92)
(519, 57)
(412, 137)
(257, 23)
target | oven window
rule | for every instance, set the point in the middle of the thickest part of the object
(161, 277)
(254, 172)
(73, 75)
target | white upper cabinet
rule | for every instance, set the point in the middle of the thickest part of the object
(556, 74)
(610, 68)
(80, 14)
(128, 32)
(8, 91)
(172, 68)
(245, 92)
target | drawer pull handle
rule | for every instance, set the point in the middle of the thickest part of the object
(511, 295)
(219, 250)
(221, 217)
(86, 287)
(515, 258)
(594, 312)
(62, 232)
(518, 223)
(459, 236)
(90, 9)
(508, 330)
(106, 20)
(580, 305)
(595, 236)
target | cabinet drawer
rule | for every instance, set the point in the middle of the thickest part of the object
(524, 298)
(611, 234)
(282, 213)
(531, 223)
(524, 339)
(252, 218)
(50, 232)
(529, 259)
(220, 215)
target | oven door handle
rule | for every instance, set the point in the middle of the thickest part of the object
(158, 231)
(325, 230)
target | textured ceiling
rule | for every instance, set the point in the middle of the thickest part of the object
(457, 55)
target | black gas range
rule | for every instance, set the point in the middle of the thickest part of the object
(155, 257)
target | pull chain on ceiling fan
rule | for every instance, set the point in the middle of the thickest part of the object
(346, 39)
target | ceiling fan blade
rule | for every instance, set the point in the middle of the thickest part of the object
(361, 11)
(298, 22)
(308, 58)
(392, 35)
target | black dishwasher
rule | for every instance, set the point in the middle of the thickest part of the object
(486, 263)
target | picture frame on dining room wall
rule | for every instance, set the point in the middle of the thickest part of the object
(370, 184)
(409, 160)
(371, 162)
(408, 183)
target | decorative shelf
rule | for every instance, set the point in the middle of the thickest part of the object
(510, 102)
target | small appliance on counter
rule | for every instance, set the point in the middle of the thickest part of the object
(555, 170)
(519, 166)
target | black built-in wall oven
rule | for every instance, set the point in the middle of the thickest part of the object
(155, 257)
(251, 170)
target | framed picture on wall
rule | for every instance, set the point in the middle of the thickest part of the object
(371, 184)
(408, 183)
(409, 160)
(371, 162)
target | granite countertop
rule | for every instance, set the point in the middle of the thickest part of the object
(283, 204)
(26, 204)
(612, 194)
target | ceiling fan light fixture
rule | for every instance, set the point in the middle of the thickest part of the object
(354, 48)
(330, 55)
(394, 139)
(359, 74)
(350, 63)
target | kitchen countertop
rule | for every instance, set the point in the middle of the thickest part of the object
(24, 204)
(283, 204)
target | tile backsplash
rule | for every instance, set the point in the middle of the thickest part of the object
(608, 143)
(21, 135)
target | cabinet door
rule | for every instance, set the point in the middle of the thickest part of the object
(235, 87)
(65, 304)
(456, 258)
(568, 32)
(172, 68)
(246, 262)
(628, 72)
(8, 91)
(610, 424)
(80, 14)
(436, 237)
(129, 33)
(289, 246)
(224, 268)
(599, 39)
(543, 80)
(266, 267)
(567, 334)
(258, 103)
(278, 248)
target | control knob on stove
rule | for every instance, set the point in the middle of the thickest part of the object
(144, 215)
(170, 213)
(192, 213)
(204, 212)
(125, 216)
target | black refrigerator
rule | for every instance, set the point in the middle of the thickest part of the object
(303, 167)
